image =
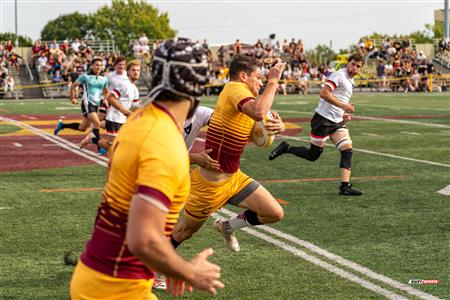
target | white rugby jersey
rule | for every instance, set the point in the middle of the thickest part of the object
(128, 94)
(193, 125)
(114, 79)
(342, 88)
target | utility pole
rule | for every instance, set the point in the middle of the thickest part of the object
(15, 12)
(446, 20)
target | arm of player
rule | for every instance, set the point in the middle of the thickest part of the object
(275, 125)
(204, 160)
(146, 239)
(327, 95)
(347, 117)
(73, 93)
(112, 99)
(105, 96)
(257, 109)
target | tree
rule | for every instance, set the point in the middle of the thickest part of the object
(70, 26)
(126, 20)
(322, 54)
(24, 41)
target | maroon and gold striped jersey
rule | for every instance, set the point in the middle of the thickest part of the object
(148, 158)
(229, 128)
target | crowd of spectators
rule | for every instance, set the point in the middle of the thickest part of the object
(399, 66)
(64, 62)
(9, 61)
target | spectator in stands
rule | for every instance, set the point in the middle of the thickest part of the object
(57, 77)
(9, 83)
(237, 47)
(75, 46)
(221, 55)
(136, 49)
(145, 48)
(65, 47)
(14, 60)
(143, 39)
(9, 46)
(381, 75)
(41, 63)
(54, 45)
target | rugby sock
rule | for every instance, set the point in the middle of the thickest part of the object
(344, 183)
(73, 126)
(246, 218)
(174, 243)
(95, 139)
(311, 154)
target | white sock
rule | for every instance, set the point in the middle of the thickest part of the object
(236, 222)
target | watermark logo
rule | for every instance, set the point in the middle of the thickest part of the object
(424, 281)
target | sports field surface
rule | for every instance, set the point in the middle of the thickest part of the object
(392, 242)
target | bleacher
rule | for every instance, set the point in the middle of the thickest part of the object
(50, 90)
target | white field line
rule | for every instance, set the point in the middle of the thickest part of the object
(404, 107)
(320, 263)
(340, 260)
(401, 121)
(410, 133)
(103, 162)
(445, 191)
(374, 152)
(59, 141)
(370, 134)
(19, 145)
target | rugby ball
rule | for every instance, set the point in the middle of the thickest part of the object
(260, 136)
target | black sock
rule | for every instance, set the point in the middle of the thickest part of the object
(298, 151)
(74, 126)
(95, 139)
(251, 217)
(174, 243)
(344, 183)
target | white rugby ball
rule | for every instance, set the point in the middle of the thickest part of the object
(260, 136)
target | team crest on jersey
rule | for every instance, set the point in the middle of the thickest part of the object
(188, 129)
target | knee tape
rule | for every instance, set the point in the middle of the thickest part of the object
(341, 143)
(346, 159)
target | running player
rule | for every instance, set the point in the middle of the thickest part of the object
(114, 79)
(235, 113)
(147, 185)
(94, 86)
(333, 111)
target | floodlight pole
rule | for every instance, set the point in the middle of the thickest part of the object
(15, 13)
(446, 20)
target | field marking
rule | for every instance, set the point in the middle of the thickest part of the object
(405, 107)
(445, 191)
(5, 207)
(337, 259)
(59, 141)
(410, 133)
(340, 272)
(328, 179)
(370, 134)
(28, 117)
(70, 190)
(282, 202)
(401, 121)
(19, 145)
(66, 108)
(374, 152)
(318, 262)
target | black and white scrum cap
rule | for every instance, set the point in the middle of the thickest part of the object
(180, 67)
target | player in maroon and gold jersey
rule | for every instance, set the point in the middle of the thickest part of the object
(147, 186)
(236, 111)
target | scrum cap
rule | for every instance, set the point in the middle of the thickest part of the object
(179, 70)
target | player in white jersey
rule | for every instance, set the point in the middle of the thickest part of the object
(191, 130)
(122, 99)
(333, 111)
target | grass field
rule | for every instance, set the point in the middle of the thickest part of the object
(327, 247)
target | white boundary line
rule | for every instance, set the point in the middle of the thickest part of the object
(373, 152)
(329, 267)
(340, 260)
(322, 264)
